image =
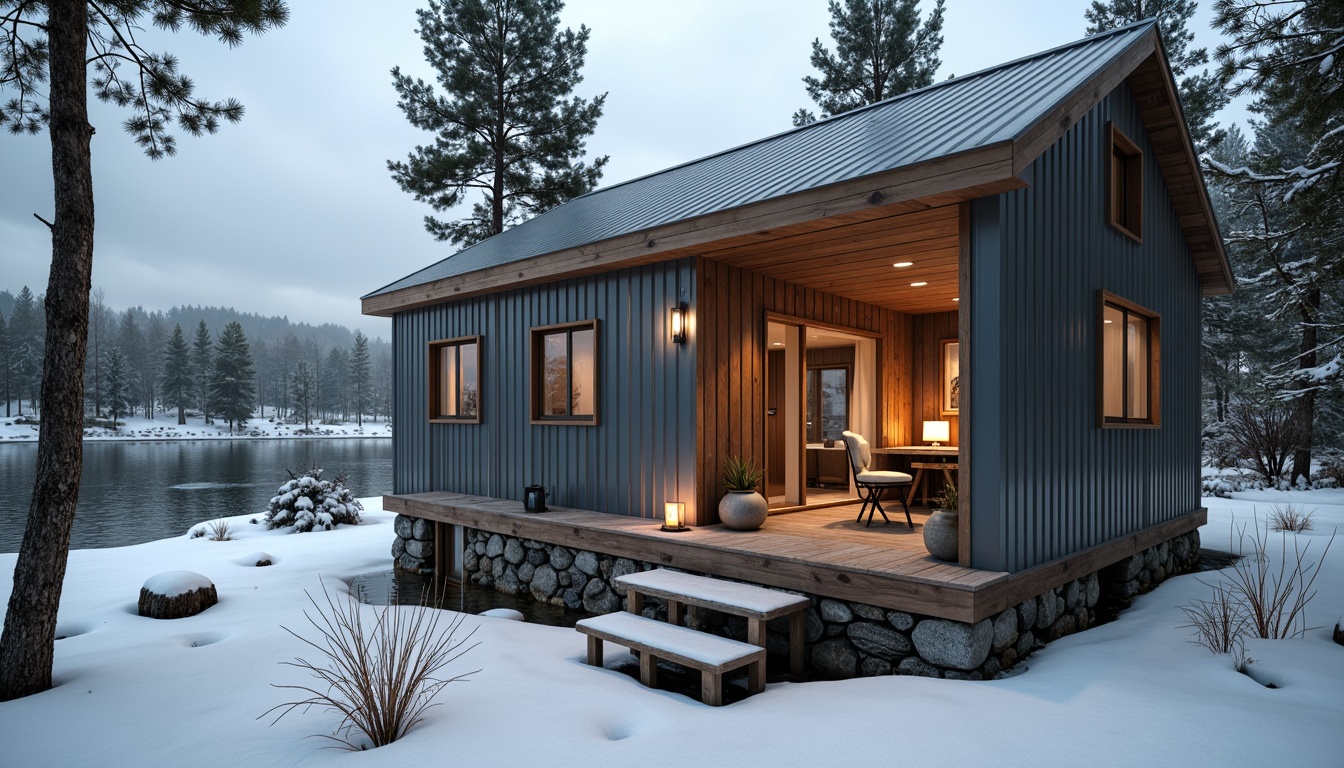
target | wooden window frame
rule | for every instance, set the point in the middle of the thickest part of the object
(1124, 208)
(1154, 320)
(436, 349)
(537, 335)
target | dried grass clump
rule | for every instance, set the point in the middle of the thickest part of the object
(1290, 518)
(381, 678)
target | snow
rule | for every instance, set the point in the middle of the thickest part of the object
(165, 427)
(686, 642)
(174, 583)
(137, 691)
(727, 593)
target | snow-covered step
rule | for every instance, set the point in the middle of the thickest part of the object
(652, 640)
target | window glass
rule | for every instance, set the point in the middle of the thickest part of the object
(585, 371)
(1136, 341)
(556, 371)
(448, 381)
(469, 393)
(1113, 350)
(827, 403)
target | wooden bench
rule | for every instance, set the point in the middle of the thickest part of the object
(757, 604)
(654, 640)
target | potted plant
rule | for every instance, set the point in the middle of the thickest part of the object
(742, 508)
(940, 530)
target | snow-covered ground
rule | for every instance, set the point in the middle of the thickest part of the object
(142, 692)
(165, 427)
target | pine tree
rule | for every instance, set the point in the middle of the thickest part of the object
(131, 343)
(202, 364)
(1200, 94)
(116, 388)
(26, 337)
(177, 374)
(231, 387)
(338, 372)
(881, 50)
(360, 382)
(303, 390)
(53, 52)
(4, 361)
(503, 118)
(100, 323)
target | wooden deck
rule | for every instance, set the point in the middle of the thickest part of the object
(821, 552)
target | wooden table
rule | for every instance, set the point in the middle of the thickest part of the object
(924, 468)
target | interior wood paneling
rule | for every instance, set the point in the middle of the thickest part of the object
(731, 355)
(928, 331)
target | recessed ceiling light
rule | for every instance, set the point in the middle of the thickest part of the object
(1108, 322)
(918, 285)
(779, 344)
(901, 264)
(957, 299)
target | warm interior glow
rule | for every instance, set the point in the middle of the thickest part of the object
(937, 431)
(674, 513)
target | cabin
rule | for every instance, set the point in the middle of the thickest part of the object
(996, 280)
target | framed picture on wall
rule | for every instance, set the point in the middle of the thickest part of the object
(950, 377)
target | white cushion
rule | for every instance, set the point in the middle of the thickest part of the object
(859, 454)
(883, 477)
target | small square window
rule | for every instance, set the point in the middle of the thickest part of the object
(1124, 184)
(564, 374)
(455, 380)
(1128, 371)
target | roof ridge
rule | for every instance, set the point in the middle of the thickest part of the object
(869, 107)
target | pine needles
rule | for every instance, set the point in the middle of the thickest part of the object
(381, 678)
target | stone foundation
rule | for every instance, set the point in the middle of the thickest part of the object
(844, 639)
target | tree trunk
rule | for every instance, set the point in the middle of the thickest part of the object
(28, 644)
(1306, 402)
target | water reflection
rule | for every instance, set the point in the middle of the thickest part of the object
(133, 492)
(389, 588)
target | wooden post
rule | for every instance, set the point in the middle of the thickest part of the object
(711, 687)
(675, 610)
(648, 669)
(634, 601)
(756, 634)
(594, 651)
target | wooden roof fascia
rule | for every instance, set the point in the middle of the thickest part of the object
(963, 176)
(1144, 66)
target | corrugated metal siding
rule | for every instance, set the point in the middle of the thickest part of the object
(641, 453)
(1047, 481)
(947, 118)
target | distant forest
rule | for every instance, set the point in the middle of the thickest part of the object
(298, 372)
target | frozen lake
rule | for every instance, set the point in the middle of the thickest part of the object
(133, 492)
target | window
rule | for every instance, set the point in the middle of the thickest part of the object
(455, 380)
(1128, 390)
(827, 403)
(1124, 198)
(564, 374)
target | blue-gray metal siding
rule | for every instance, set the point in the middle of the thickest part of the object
(1046, 481)
(950, 117)
(642, 451)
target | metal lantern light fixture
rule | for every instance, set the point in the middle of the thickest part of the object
(677, 322)
(937, 431)
(674, 517)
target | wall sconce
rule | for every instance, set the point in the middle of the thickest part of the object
(937, 431)
(677, 323)
(674, 517)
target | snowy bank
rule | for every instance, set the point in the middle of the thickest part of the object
(133, 691)
(165, 427)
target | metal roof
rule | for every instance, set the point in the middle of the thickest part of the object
(949, 117)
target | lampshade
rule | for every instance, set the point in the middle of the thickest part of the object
(937, 431)
(677, 323)
(674, 516)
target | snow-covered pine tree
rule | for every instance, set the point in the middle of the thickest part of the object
(1201, 97)
(307, 502)
(4, 361)
(115, 386)
(232, 390)
(202, 363)
(302, 392)
(503, 117)
(360, 381)
(177, 374)
(882, 49)
(25, 329)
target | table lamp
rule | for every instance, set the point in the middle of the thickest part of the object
(937, 431)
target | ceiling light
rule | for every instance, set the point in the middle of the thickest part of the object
(778, 344)
(920, 284)
(903, 264)
(956, 299)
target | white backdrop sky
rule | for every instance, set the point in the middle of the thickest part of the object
(292, 211)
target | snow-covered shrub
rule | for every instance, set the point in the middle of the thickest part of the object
(307, 501)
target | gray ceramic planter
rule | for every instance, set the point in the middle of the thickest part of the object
(743, 510)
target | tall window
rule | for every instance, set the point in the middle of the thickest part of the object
(1124, 198)
(455, 380)
(564, 373)
(827, 403)
(1130, 360)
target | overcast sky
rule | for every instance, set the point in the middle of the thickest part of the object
(292, 211)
